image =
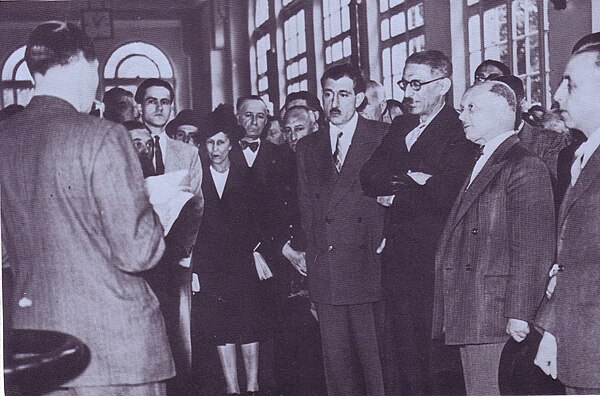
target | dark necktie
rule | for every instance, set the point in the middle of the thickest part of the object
(160, 165)
(479, 152)
(253, 146)
(337, 154)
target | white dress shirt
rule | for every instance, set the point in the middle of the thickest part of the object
(488, 149)
(583, 154)
(348, 130)
(220, 179)
(249, 154)
(413, 135)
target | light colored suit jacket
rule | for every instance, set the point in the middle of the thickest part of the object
(184, 156)
(78, 228)
(496, 249)
(572, 315)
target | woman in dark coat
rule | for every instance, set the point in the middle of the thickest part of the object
(223, 256)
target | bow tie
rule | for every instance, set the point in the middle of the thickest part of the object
(253, 146)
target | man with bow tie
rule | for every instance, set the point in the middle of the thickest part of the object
(416, 172)
(498, 243)
(570, 312)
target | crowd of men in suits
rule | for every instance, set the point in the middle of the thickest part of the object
(439, 234)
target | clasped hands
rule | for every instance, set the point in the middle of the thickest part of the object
(546, 354)
(396, 182)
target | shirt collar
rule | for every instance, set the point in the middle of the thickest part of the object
(348, 128)
(589, 147)
(493, 144)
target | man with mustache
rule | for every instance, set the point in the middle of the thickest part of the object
(171, 282)
(416, 173)
(343, 228)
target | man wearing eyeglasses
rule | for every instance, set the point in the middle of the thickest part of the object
(171, 282)
(416, 173)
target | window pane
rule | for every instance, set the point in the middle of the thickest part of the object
(398, 58)
(386, 62)
(474, 34)
(518, 15)
(521, 60)
(24, 96)
(345, 19)
(416, 44)
(347, 47)
(262, 12)
(536, 90)
(7, 97)
(263, 83)
(304, 85)
(415, 16)
(328, 58)
(398, 24)
(337, 51)
(385, 29)
(394, 3)
(495, 26)
(142, 49)
(387, 85)
(11, 63)
(137, 66)
(499, 52)
(383, 5)
(301, 43)
(302, 66)
(286, 2)
(534, 54)
(335, 23)
(23, 73)
(474, 61)
(471, 2)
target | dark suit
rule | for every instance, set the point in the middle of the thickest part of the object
(78, 227)
(413, 225)
(343, 229)
(544, 143)
(496, 250)
(572, 315)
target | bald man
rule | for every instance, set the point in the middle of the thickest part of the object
(298, 122)
(374, 104)
(498, 243)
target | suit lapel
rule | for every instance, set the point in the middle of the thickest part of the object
(588, 175)
(487, 173)
(352, 164)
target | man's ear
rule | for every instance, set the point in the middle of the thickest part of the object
(138, 106)
(360, 97)
(239, 119)
(445, 85)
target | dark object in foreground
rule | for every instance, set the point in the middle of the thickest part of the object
(37, 361)
(518, 375)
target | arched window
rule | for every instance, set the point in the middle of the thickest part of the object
(17, 83)
(132, 63)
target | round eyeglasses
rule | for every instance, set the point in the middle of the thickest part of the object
(416, 84)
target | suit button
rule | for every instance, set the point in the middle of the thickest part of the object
(328, 220)
(330, 248)
(469, 267)
(475, 231)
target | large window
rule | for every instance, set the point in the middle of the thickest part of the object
(402, 33)
(261, 48)
(17, 83)
(336, 31)
(514, 32)
(132, 63)
(296, 66)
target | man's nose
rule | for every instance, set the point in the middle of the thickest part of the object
(254, 120)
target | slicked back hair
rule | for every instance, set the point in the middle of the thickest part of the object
(56, 44)
(436, 60)
(240, 102)
(345, 70)
(590, 48)
(505, 70)
(152, 82)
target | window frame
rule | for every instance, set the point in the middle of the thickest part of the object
(287, 12)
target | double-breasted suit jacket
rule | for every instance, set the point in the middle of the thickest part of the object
(343, 226)
(496, 249)
(572, 314)
(78, 227)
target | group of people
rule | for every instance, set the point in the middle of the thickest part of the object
(446, 232)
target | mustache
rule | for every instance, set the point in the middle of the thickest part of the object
(335, 110)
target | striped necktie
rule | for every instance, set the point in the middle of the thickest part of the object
(338, 155)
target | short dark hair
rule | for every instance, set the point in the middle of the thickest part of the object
(588, 39)
(152, 82)
(505, 70)
(345, 70)
(55, 44)
(240, 102)
(312, 102)
(134, 124)
(296, 109)
(436, 60)
(590, 48)
(115, 109)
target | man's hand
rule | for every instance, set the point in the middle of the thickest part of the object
(546, 355)
(297, 258)
(518, 329)
(386, 200)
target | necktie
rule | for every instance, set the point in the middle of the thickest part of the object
(160, 165)
(413, 135)
(338, 156)
(253, 146)
(577, 164)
